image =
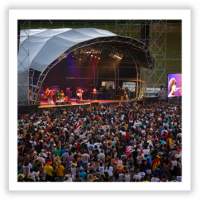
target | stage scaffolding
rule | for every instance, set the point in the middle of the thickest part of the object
(158, 47)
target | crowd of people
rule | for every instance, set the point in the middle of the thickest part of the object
(123, 142)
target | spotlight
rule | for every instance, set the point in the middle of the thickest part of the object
(117, 57)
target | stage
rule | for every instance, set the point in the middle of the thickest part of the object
(82, 103)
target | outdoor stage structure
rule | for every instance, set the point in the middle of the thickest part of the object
(84, 56)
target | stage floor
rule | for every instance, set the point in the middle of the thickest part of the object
(83, 103)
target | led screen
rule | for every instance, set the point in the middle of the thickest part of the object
(174, 85)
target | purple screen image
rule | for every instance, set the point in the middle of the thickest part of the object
(174, 85)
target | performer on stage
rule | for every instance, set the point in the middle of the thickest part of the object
(49, 95)
(79, 93)
(47, 92)
(58, 94)
(62, 95)
(94, 93)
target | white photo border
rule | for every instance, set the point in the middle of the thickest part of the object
(123, 14)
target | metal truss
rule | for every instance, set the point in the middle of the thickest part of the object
(158, 48)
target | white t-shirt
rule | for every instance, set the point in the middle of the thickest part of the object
(26, 169)
(155, 179)
(101, 170)
(101, 156)
(174, 164)
(146, 151)
(73, 171)
(109, 170)
(127, 178)
(137, 177)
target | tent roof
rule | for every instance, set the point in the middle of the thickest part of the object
(40, 47)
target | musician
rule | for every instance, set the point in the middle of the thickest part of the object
(62, 95)
(79, 93)
(94, 93)
(49, 95)
(47, 92)
(58, 94)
